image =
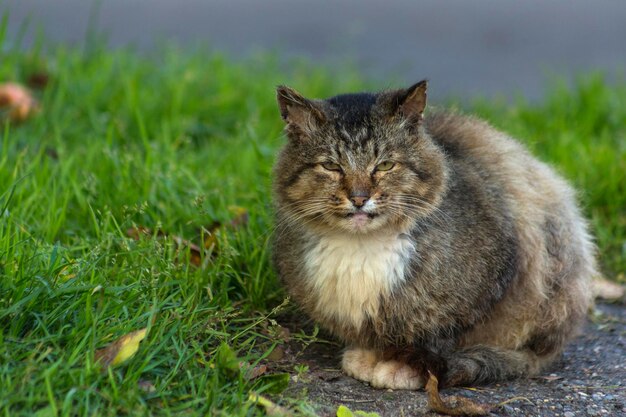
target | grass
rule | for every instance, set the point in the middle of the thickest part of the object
(172, 142)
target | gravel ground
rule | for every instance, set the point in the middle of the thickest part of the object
(589, 379)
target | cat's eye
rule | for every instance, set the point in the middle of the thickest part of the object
(385, 166)
(330, 166)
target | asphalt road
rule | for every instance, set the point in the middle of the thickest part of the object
(466, 48)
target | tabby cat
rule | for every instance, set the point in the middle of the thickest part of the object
(426, 242)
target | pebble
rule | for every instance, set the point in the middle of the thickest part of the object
(592, 411)
(569, 414)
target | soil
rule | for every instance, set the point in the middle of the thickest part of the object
(588, 380)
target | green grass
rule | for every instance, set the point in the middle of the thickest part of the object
(172, 142)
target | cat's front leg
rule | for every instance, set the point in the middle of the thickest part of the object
(360, 363)
(396, 374)
(367, 365)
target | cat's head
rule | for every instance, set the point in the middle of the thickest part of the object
(357, 163)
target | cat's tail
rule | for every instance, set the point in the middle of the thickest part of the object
(482, 364)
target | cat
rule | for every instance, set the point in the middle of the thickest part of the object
(426, 240)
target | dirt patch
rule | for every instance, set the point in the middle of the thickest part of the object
(588, 380)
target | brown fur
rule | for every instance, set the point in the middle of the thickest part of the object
(469, 258)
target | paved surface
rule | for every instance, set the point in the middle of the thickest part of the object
(589, 380)
(466, 48)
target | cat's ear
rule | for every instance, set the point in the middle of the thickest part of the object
(299, 113)
(411, 102)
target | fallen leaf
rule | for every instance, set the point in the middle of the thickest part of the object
(139, 231)
(271, 408)
(121, 350)
(606, 290)
(282, 333)
(344, 411)
(38, 80)
(463, 407)
(276, 354)
(254, 373)
(209, 235)
(195, 251)
(211, 232)
(17, 101)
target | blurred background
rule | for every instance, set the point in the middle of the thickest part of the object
(466, 48)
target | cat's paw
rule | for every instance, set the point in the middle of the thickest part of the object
(359, 363)
(396, 375)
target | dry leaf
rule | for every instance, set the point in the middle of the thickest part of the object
(277, 354)
(463, 407)
(195, 251)
(257, 371)
(284, 333)
(38, 80)
(17, 101)
(138, 232)
(211, 232)
(209, 238)
(121, 350)
(606, 290)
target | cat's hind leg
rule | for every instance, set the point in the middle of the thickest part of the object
(483, 364)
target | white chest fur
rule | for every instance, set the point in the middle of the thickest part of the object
(349, 274)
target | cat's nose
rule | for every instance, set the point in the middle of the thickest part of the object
(359, 199)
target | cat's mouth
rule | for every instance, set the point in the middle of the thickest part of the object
(362, 215)
(360, 220)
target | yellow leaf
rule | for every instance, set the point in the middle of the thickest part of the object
(344, 411)
(121, 350)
